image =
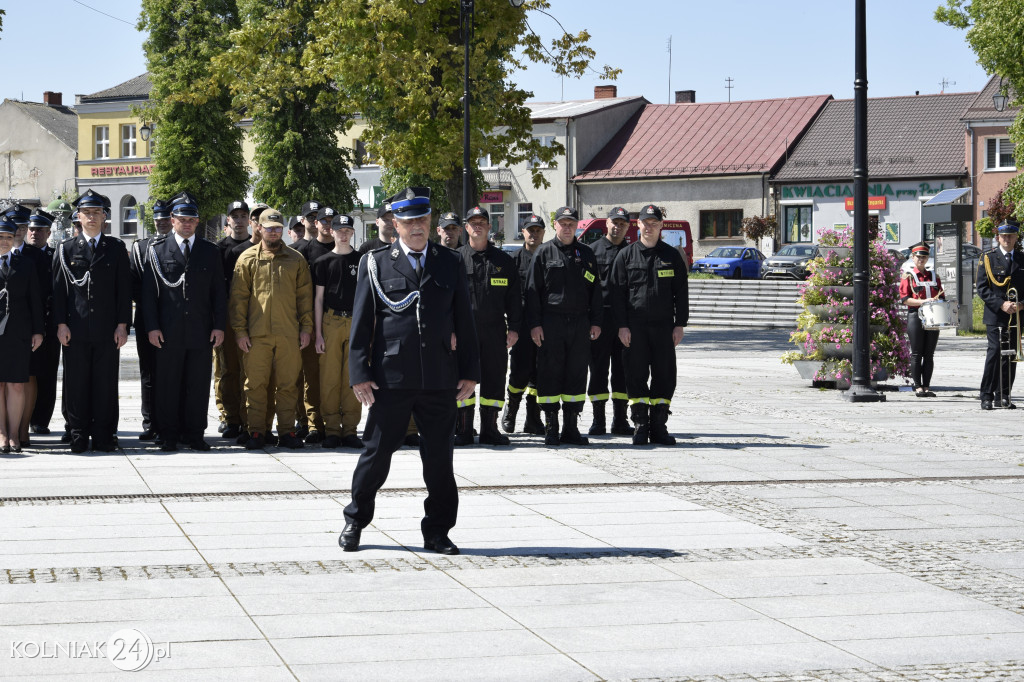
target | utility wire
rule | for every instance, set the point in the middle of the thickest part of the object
(103, 13)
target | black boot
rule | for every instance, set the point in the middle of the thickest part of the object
(620, 423)
(464, 426)
(551, 427)
(508, 417)
(659, 426)
(570, 431)
(533, 423)
(489, 434)
(597, 427)
(641, 423)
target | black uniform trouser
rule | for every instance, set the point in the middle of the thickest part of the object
(562, 360)
(990, 377)
(650, 355)
(922, 349)
(183, 375)
(605, 352)
(46, 365)
(493, 366)
(147, 371)
(522, 373)
(90, 385)
(434, 412)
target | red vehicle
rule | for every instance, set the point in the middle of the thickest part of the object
(673, 232)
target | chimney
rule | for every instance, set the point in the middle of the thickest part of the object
(686, 96)
(606, 91)
(53, 99)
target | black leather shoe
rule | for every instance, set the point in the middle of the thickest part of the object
(301, 430)
(199, 445)
(255, 441)
(290, 441)
(1007, 404)
(354, 441)
(169, 445)
(148, 434)
(331, 442)
(349, 538)
(314, 436)
(440, 544)
(41, 430)
(986, 404)
(243, 437)
(272, 440)
(222, 427)
(65, 437)
(233, 431)
(108, 446)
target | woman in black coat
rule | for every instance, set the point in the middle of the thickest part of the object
(21, 332)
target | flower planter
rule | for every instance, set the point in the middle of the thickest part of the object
(830, 312)
(807, 368)
(840, 251)
(837, 272)
(873, 328)
(843, 291)
(836, 350)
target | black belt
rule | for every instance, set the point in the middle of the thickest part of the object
(340, 313)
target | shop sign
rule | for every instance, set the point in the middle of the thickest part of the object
(492, 197)
(100, 171)
(878, 189)
(874, 203)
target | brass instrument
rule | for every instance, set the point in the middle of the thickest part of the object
(1013, 329)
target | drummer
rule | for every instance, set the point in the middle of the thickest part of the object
(917, 287)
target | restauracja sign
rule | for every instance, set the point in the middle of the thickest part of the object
(879, 189)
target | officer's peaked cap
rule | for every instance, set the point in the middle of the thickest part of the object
(91, 198)
(41, 218)
(411, 202)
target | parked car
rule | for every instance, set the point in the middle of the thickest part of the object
(737, 262)
(970, 255)
(790, 262)
(511, 249)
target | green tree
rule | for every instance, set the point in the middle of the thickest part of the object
(296, 120)
(995, 31)
(199, 146)
(401, 65)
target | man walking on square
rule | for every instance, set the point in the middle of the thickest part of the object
(651, 305)
(411, 298)
(184, 307)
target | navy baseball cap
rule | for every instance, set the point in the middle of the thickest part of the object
(617, 213)
(343, 221)
(566, 212)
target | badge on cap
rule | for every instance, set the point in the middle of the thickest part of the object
(567, 212)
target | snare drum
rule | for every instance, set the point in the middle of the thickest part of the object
(937, 315)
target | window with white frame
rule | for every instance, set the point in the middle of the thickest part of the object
(128, 141)
(484, 161)
(523, 213)
(497, 212)
(102, 136)
(545, 141)
(129, 216)
(999, 154)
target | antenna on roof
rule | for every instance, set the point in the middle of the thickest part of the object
(729, 86)
(670, 69)
(945, 84)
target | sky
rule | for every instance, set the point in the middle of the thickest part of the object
(782, 48)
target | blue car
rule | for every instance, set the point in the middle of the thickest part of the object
(737, 262)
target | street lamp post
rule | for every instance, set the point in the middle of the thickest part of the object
(466, 9)
(1000, 99)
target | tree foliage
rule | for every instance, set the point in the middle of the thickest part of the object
(199, 146)
(401, 65)
(995, 31)
(296, 120)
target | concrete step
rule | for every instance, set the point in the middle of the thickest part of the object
(754, 304)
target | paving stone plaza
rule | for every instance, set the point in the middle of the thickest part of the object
(788, 536)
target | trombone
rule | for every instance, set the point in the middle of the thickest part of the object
(1010, 350)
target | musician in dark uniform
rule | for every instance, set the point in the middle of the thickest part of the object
(92, 304)
(411, 304)
(522, 373)
(21, 216)
(185, 310)
(498, 311)
(916, 288)
(563, 310)
(146, 350)
(227, 365)
(46, 360)
(1000, 270)
(21, 332)
(651, 305)
(606, 349)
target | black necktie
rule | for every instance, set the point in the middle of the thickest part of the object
(92, 246)
(3, 267)
(188, 252)
(419, 264)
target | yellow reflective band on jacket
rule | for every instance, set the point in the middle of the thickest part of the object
(599, 397)
(666, 273)
(547, 399)
(513, 389)
(530, 390)
(487, 402)
(660, 401)
(468, 402)
(574, 398)
(499, 282)
(619, 396)
(639, 401)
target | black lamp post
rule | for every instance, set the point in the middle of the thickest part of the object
(466, 8)
(860, 384)
(1000, 99)
(145, 131)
